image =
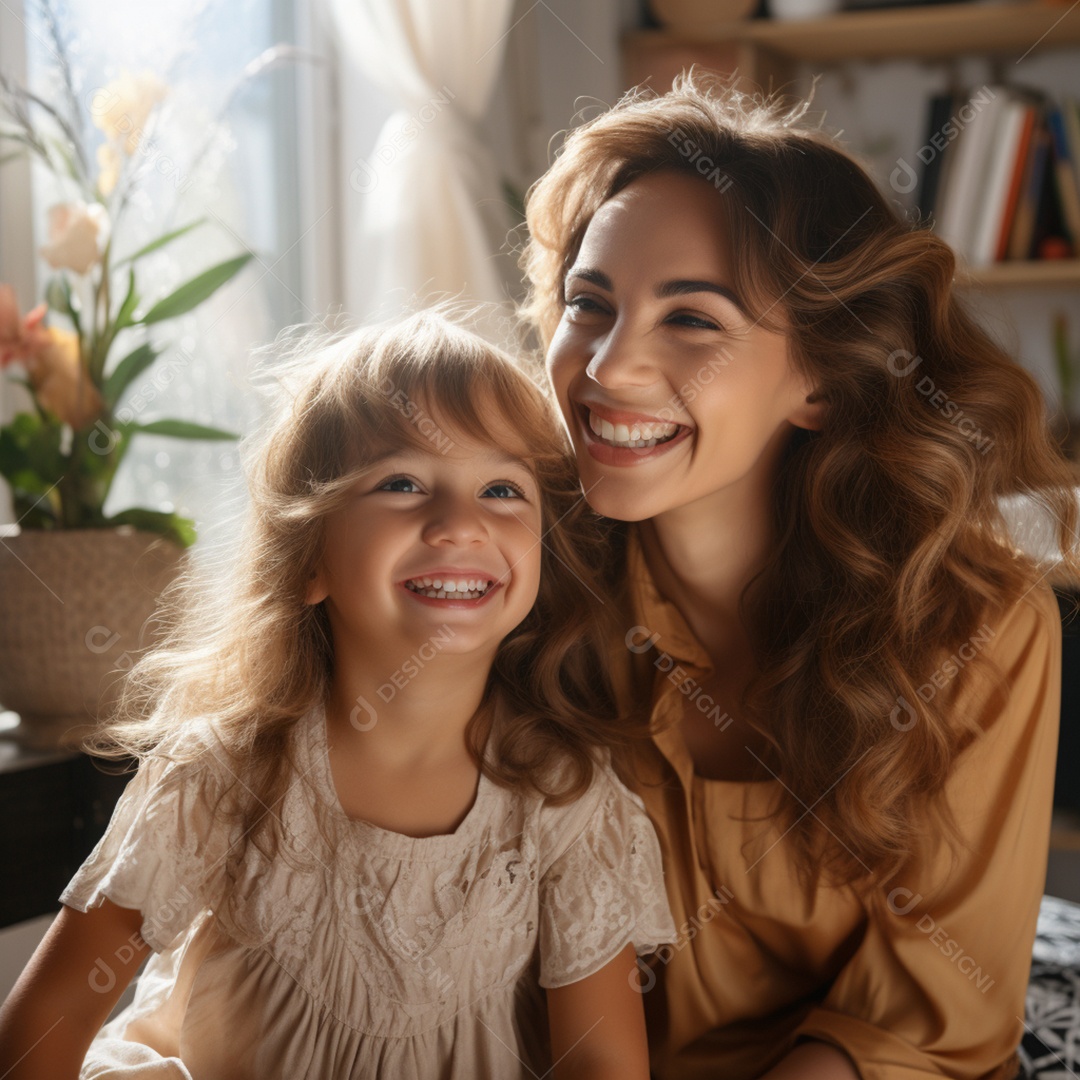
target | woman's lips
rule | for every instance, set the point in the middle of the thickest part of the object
(620, 455)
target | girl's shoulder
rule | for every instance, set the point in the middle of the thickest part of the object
(606, 808)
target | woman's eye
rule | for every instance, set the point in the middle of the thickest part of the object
(399, 483)
(684, 318)
(583, 304)
(505, 489)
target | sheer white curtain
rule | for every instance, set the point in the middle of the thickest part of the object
(433, 217)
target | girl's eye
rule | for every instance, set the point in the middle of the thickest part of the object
(698, 322)
(503, 486)
(399, 483)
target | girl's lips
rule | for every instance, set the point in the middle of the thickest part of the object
(618, 455)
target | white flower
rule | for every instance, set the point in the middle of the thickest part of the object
(76, 236)
(108, 168)
(121, 108)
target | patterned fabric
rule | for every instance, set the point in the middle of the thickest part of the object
(1051, 1045)
(360, 952)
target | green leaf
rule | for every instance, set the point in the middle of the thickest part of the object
(161, 241)
(127, 371)
(180, 530)
(192, 293)
(13, 156)
(123, 316)
(30, 456)
(182, 429)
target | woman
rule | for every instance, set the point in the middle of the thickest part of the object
(852, 677)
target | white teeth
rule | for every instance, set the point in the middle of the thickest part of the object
(437, 589)
(641, 435)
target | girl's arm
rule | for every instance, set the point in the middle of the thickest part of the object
(73, 980)
(598, 1025)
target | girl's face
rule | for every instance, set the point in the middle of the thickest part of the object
(438, 539)
(670, 391)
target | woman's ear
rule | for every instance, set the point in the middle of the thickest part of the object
(810, 413)
(317, 591)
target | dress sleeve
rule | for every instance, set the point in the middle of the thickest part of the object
(605, 888)
(163, 852)
(937, 985)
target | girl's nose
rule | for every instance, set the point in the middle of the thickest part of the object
(623, 358)
(455, 522)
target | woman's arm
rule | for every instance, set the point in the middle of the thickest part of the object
(813, 1061)
(598, 1025)
(73, 980)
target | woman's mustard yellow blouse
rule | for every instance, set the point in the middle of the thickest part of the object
(925, 979)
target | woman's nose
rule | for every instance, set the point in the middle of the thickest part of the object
(454, 521)
(622, 358)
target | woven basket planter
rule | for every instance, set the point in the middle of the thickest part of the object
(76, 608)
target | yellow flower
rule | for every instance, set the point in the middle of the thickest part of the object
(75, 236)
(121, 108)
(60, 382)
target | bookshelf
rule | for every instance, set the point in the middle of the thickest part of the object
(936, 32)
(768, 54)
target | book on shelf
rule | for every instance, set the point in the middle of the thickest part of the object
(1001, 174)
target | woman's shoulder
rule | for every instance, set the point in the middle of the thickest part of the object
(1014, 655)
(1023, 633)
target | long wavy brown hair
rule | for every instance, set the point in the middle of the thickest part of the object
(245, 657)
(892, 545)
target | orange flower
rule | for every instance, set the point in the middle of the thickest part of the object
(19, 339)
(60, 382)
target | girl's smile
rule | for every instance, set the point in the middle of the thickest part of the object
(429, 537)
(451, 587)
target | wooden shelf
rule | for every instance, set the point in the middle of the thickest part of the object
(1044, 272)
(926, 32)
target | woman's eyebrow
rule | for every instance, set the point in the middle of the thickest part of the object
(683, 288)
(587, 273)
(663, 291)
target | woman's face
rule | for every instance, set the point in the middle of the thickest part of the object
(670, 391)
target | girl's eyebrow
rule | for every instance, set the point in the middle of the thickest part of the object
(664, 290)
(496, 456)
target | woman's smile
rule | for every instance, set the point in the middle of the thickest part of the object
(620, 437)
(656, 359)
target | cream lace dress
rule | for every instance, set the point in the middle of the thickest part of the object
(360, 952)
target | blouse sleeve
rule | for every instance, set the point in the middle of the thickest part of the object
(937, 985)
(163, 852)
(605, 887)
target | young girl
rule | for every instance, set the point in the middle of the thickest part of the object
(371, 818)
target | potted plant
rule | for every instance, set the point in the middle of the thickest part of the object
(78, 585)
